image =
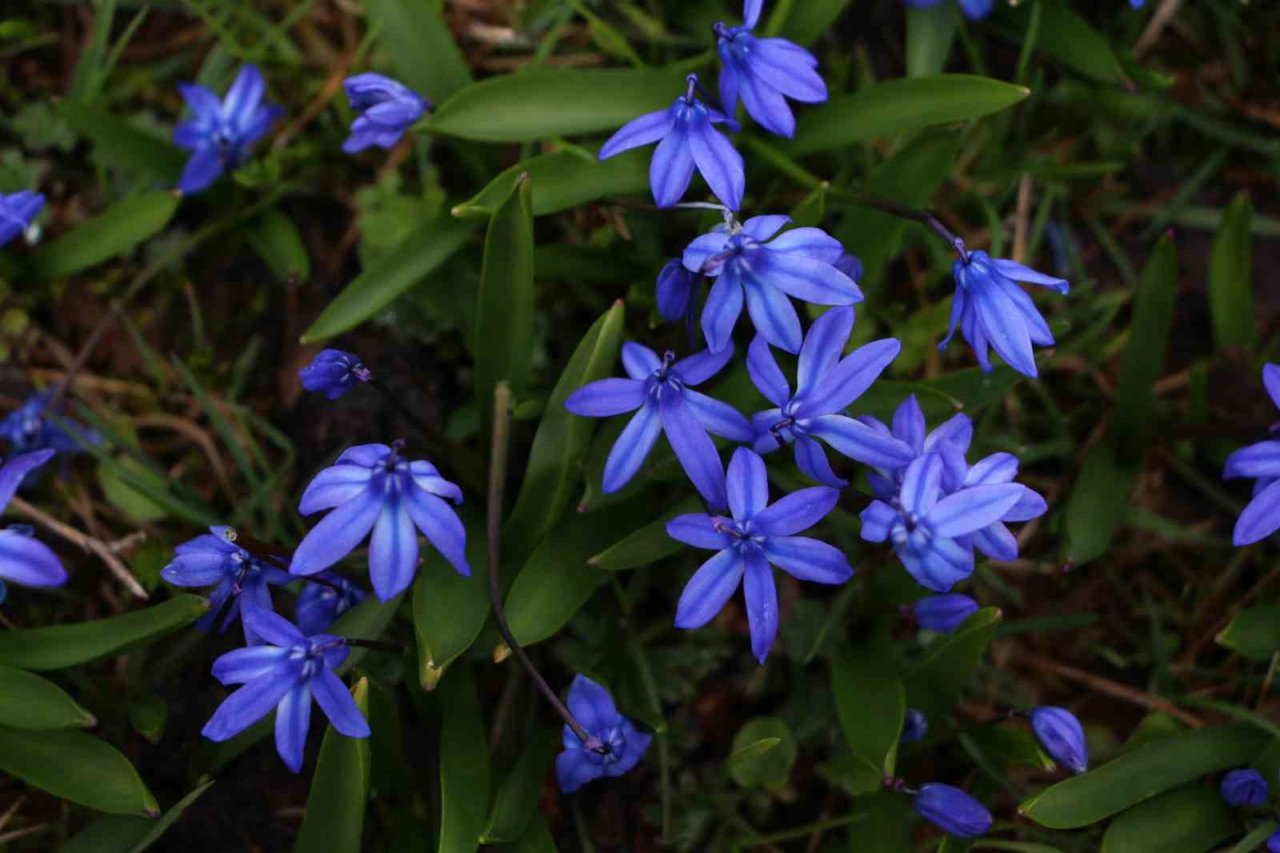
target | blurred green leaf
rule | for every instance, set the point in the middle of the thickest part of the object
(126, 833)
(334, 820)
(390, 276)
(1190, 820)
(1144, 356)
(124, 497)
(1011, 746)
(30, 702)
(647, 545)
(464, 765)
(751, 764)
(113, 232)
(807, 20)
(62, 646)
(516, 801)
(1253, 633)
(149, 715)
(938, 680)
(537, 838)
(1255, 839)
(1097, 503)
(1071, 40)
(870, 704)
(503, 344)
(116, 142)
(449, 610)
(276, 239)
(422, 49)
(77, 767)
(930, 33)
(368, 620)
(563, 180)
(1142, 773)
(1231, 302)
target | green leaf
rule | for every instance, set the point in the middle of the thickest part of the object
(422, 49)
(419, 255)
(276, 239)
(118, 143)
(334, 820)
(61, 646)
(1143, 362)
(870, 704)
(77, 767)
(1256, 837)
(537, 838)
(1098, 502)
(809, 19)
(517, 799)
(503, 345)
(30, 702)
(897, 106)
(1253, 633)
(1142, 773)
(126, 833)
(938, 680)
(554, 470)
(544, 103)
(753, 766)
(930, 33)
(464, 765)
(1069, 39)
(1190, 820)
(563, 180)
(368, 620)
(113, 232)
(647, 545)
(449, 610)
(1011, 746)
(123, 496)
(1231, 277)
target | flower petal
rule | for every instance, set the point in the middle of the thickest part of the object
(808, 559)
(909, 423)
(442, 527)
(761, 596)
(336, 702)
(293, 720)
(28, 561)
(337, 534)
(849, 379)
(393, 550)
(591, 703)
(202, 169)
(721, 311)
(274, 628)
(1271, 381)
(861, 443)
(773, 315)
(695, 369)
(812, 460)
(334, 486)
(574, 768)
(646, 129)
(920, 483)
(993, 470)
(809, 243)
(700, 531)
(709, 588)
(639, 361)
(761, 228)
(747, 485)
(1015, 271)
(823, 346)
(810, 280)
(877, 519)
(631, 448)
(693, 447)
(1261, 517)
(797, 511)
(719, 418)
(244, 665)
(13, 472)
(719, 162)
(765, 373)
(969, 510)
(246, 706)
(606, 397)
(671, 169)
(1256, 460)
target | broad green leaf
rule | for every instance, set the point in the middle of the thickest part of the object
(334, 820)
(1070, 40)
(754, 767)
(1254, 633)
(422, 49)
(897, 106)
(563, 180)
(1231, 277)
(937, 681)
(554, 469)
(77, 767)
(113, 232)
(930, 32)
(118, 143)
(647, 545)
(1189, 820)
(464, 765)
(1143, 362)
(1098, 502)
(545, 103)
(30, 702)
(449, 610)
(870, 704)
(127, 833)
(516, 801)
(808, 19)
(421, 253)
(276, 239)
(503, 343)
(1142, 773)
(61, 646)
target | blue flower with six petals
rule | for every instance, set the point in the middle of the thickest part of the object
(593, 707)
(17, 211)
(909, 426)
(386, 109)
(220, 131)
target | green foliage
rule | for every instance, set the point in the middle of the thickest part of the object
(113, 232)
(78, 767)
(339, 789)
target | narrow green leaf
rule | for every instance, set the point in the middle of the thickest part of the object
(545, 103)
(1142, 773)
(118, 143)
(938, 680)
(36, 704)
(753, 766)
(464, 765)
(1143, 362)
(61, 646)
(77, 767)
(113, 232)
(504, 318)
(897, 106)
(1072, 41)
(930, 32)
(449, 610)
(1098, 502)
(276, 239)
(1254, 633)
(516, 801)
(537, 838)
(870, 704)
(1190, 820)
(1231, 277)
(422, 49)
(1256, 837)
(334, 820)
(421, 253)
(127, 833)
(554, 469)
(563, 180)
(647, 545)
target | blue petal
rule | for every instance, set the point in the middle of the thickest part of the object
(809, 280)
(246, 706)
(442, 527)
(639, 361)
(944, 613)
(721, 311)
(920, 484)
(849, 379)
(751, 12)
(765, 373)
(719, 418)
(709, 588)
(607, 397)
(241, 103)
(767, 106)
(1062, 736)
(997, 542)
(671, 169)
(1015, 271)
(861, 443)
(700, 531)
(337, 534)
(202, 169)
(877, 519)
(993, 470)
(574, 768)
(719, 162)
(674, 290)
(337, 704)
(808, 559)
(812, 244)
(1260, 518)
(703, 249)
(761, 228)
(1256, 460)
(909, 424)
(334, 486)
(761, 597)
(952, 810)
(972, 509)
(773, 315)
(797, 511)
(393, 550)
(957, 430)
(976, 10)
(695, 369)
(788, 68)
(426, 477)
(644, 130)
(16, 469)
(244, 665)
(631, 448)
(28, 561)
(274, 628)
(293, 720)
(1005, 329)
(823, 346)
(730, 80)
(1031, 505)
(694, 448)
(591, 703)
(1271, 381)
(747, 485)
(812, 460)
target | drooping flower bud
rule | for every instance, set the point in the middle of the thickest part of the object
(1062, 736)
(1245, 787)
(333, 373)
(952, 810)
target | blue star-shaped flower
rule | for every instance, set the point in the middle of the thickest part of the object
(17, 211)
(284, 674)
(751, 264)
(688, 140)
(32, 426)
(662, 391)
(625, 745)
(1260, 461)
(909, 426)
(220, 131)
(386, 109)
(826, 385)
(24, 559)
(757, 535)
(372, 488)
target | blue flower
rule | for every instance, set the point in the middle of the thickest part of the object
(748, 265)
(952, 810)
(990, 309)
(1062, 736)
(23, 559)
(764, 72)
(284, 674)
(663, 392)
(32, 426)
(689, 140)
(675, 291)
(909, 426)
(931, 533)
(333, 373)
(757, 535)
(915, 726)
(943, 613)
(1259, 461)
(387, 107)
(826, 385)
(220, 132)
(1273, 843)
(593, 707)
(17, 212)
(974, 10)
(1244, 788)
(214, 559)
(373, 488)
(320, 604)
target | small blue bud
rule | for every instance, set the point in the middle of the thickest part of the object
(333, 373)
(1062, 736)
(1244, 788)
(915, 725)
(943, 613)
(1273, 843)
(386, 109)
(952, 810)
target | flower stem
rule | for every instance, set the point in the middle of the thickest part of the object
(924, 217)
(493, 523)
